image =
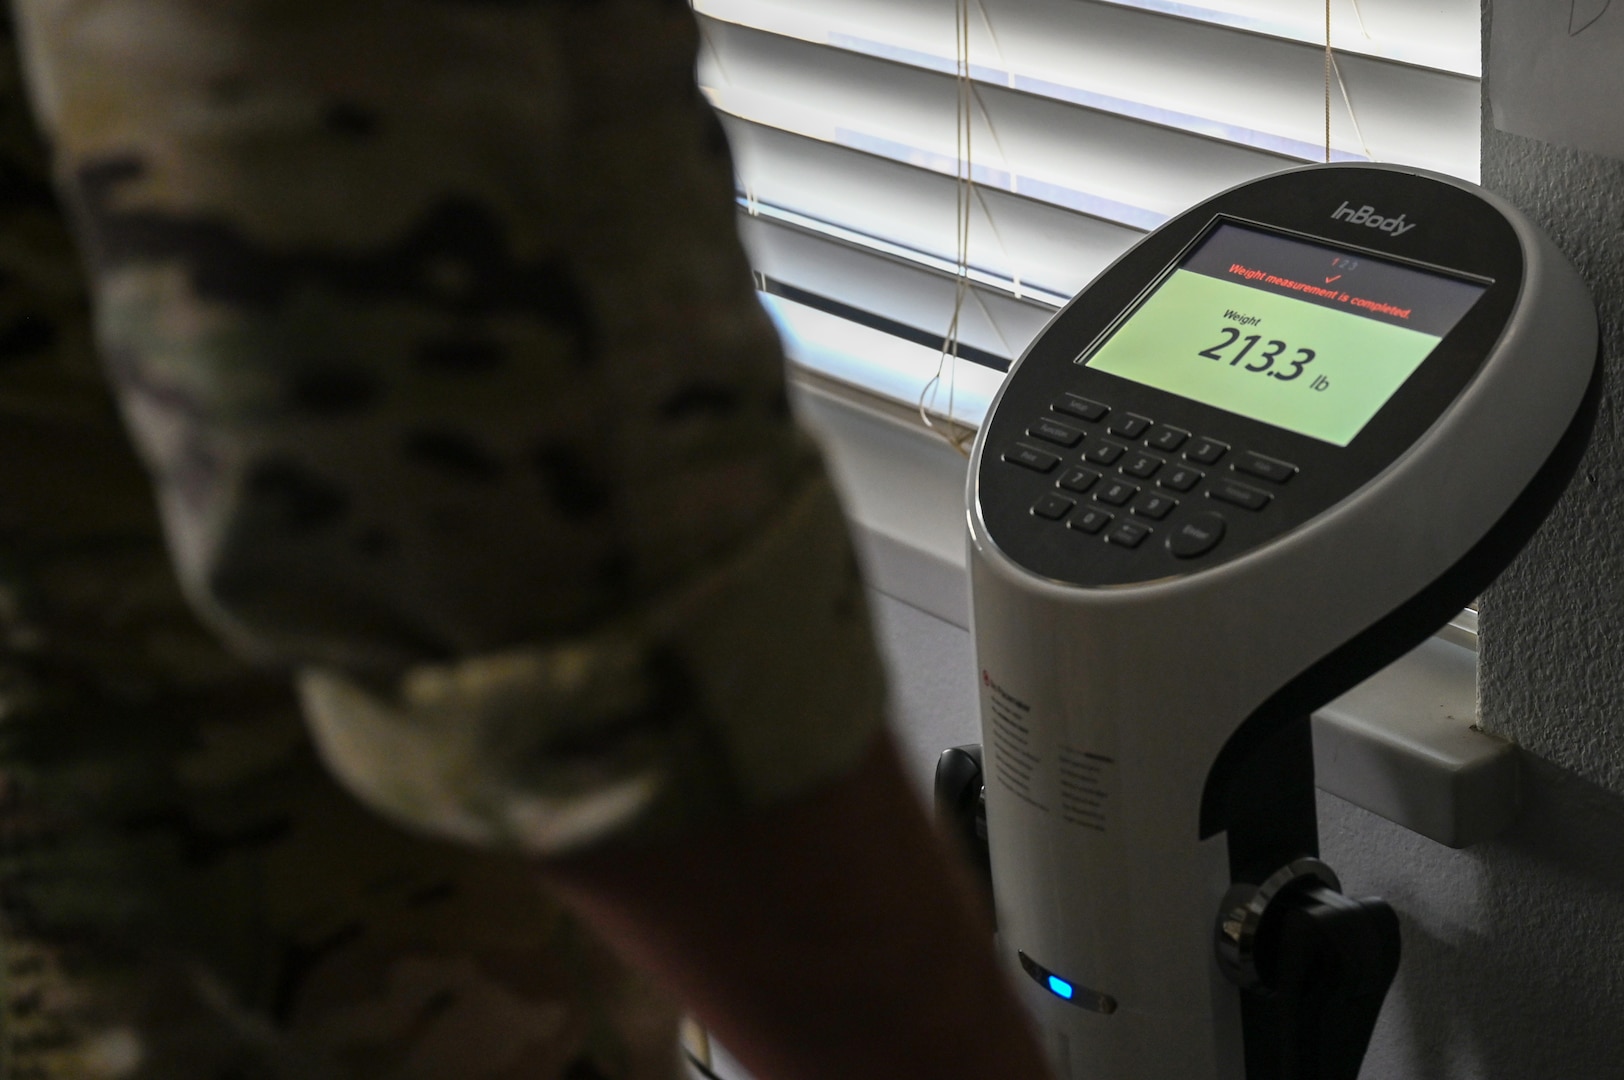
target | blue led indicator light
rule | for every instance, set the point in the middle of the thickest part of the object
(1061, 987)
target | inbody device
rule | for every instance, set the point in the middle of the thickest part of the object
(1265, 453)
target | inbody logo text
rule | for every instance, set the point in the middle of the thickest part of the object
(1368, 217)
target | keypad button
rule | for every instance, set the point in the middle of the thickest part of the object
(1181, 478)
(1052, 506)
(1116, 492)
(1142, 465)
(1030, 457)
(1154, 505)
(1081, 407)
(1130, 425)
(1078, 479)
(1054, 431)
(1267, 468)
(1205, 451)
(1090, 519)
(1129, 534)
(1239, 495)
(1197, 536)
(1105, 452)
(1167, 437)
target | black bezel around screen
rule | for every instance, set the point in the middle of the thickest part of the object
(1088, 356)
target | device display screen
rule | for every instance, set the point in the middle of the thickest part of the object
(1304, 336)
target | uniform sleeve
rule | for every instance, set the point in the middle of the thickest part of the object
(431, 325)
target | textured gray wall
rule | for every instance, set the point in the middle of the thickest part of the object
(1513, 963)
(1552, 673)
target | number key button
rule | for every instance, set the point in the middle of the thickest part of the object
(1267, 468)
(1205, 451)
(1167, 437)
(1154, 505)
(1054, 431)
(1130, 426)
(1078, 479)
(1116, 493)
(1240, 495)
(1181, 478)
(1105, 452)
(1090, 520)
(1142, 465)
(1052, 506)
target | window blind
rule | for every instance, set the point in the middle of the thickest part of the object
(1091, 122)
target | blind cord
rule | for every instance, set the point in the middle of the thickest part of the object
(957, 435)
(1333, 70)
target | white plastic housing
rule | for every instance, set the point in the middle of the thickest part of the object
(1155, 678)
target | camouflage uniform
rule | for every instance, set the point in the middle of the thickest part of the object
(430, 326)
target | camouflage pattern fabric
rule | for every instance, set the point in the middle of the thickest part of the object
(185, 894)
(429, 324)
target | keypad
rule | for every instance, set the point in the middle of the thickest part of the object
(1116, 492)
(1105, 452)
(1129, 425)
(1239, 495)
(1078, 479)
(1067, 435)
(1166, 437)
(1099, 477)
(1267, 468)
(1081, 407)
(1053, 507)
(1197, 536)
(1142, 465)
(1090, 520)
(1154, 505)
(1181, 478)
(1205, 451)
(1030, 457)
(1129, 534)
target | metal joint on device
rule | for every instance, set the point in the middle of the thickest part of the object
(1244, 908)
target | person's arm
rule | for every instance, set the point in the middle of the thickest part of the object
(829, 937)
(432, 325)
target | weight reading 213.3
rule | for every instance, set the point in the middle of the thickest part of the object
(1271, 352)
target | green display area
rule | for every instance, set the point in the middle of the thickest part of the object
(1297, 365)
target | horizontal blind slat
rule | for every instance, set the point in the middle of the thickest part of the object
(879, 363)
(1013, 237)
(1201, 77)
(1138, 173)
(912, 295)
(1441, 34)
